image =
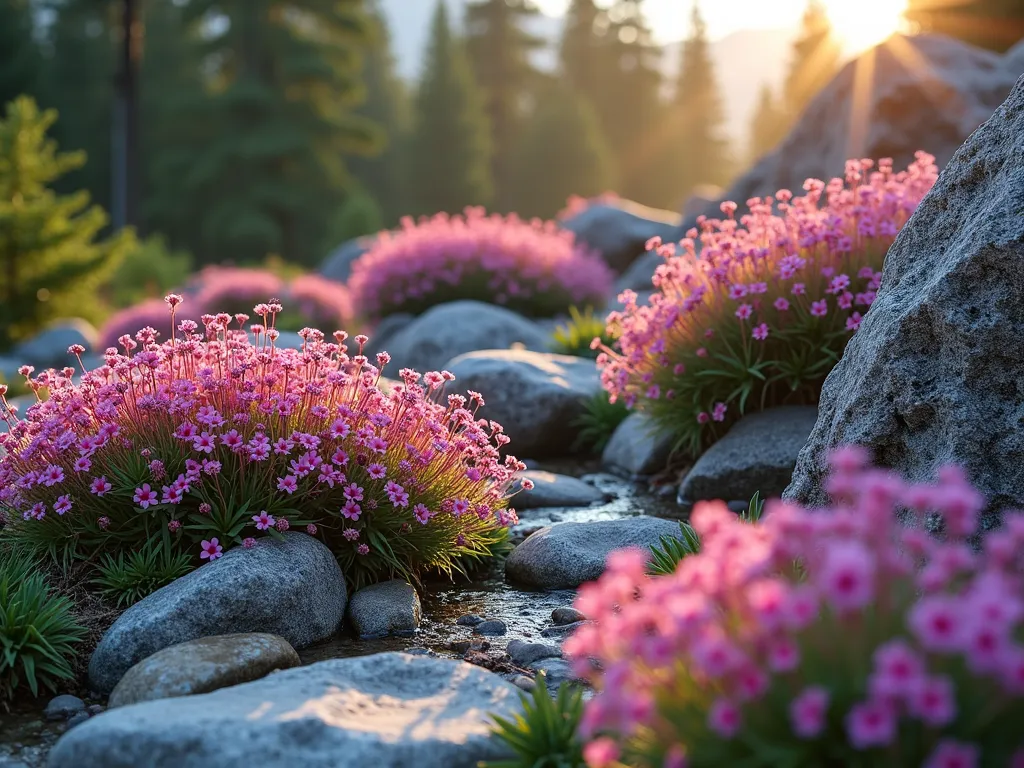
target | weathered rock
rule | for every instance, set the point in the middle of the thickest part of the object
(49, 348)
(551, 490)
(528, 684)
(934, 375)
(452, 329)
(556, 671)
(638, 276)
(469, 620)
(536, 396)
(566, 615)
(388, 608)
(757, 455)
(384, 331)
(619, 230)
(565, 555)
(389, 710)
(292, 588)
(203, 665)
(909, 93)
(63, 707)
(524, 654)
(491, 628)
(635, 449)
(338, 264)
(561, 631)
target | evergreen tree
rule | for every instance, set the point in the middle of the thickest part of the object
(993, 24)
(450, 149)
(768, 126)
(388, 104)
(816, 60)
(499, 50)
(580, 48)
(702, 149)
(21, 62)
(562, 152)
(284, 81)
(50, 261)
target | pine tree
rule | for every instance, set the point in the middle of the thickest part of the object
(450, 148)
(768, 126)
(702, 149)
(499, 50)
(993, 24)
(580, 48)
(816, 59)
(388, 104)
(21, 62)
(50, 261)
(562, 152)
(271, 175)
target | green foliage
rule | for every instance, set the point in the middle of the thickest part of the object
(149, 270)
(127, 577)
(666, 555)
(545, 734)
(449, 161)
(561, 152)
(50, 259)
(499, 50)
(38, 632)
(575, 336)
(22, 62)
(360, 215)
(598, 422)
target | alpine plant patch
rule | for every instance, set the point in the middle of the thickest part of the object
(214, 439)
(754, 313)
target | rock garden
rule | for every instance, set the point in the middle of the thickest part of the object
(752, 509)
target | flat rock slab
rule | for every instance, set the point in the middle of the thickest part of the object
(388, 608)
(534, 395)
(203, 665)
(635, 449)
(293, 588)
(389, 710)
(551, 490)
(565, 555)
(757, 455)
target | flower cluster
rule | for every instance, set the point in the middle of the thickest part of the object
(231, 289)
(217, 440)
(763, 312)
(577, 204)
(531, 267)
(847, 636)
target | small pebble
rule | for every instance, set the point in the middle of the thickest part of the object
(63, 707)
(526, 683)
(95, 709)
(566, 615)
(476, 644)
(469, 620)
(77, 719)
(492, 627)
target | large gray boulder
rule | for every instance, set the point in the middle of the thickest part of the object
(49, 348)
(293, 588)
(934, 375)
(338, 264)
(452, 329)
(388, 608)
(535, 396)
(635, 449)
(619, 230)
(909, 93)
(565, 555)
(203, 665)
(757, 455)
(551, 490)
(390, 710)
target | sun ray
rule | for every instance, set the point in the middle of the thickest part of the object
(861, 24)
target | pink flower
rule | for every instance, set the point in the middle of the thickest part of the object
(145, 496)
(82, 464)
(703, 417)
(210, 549)
(718, 412)
(362, 549)
(421, 513)
(954, 754)
(781, 304)
(51, 476)
(63, 504)
(807, 712)
(932, 700)
(289, 484)
(853, 321)
(248, 542)
(376, 471)
(848, 576)
(283, 524)
(103, 522)
(871, 724)
(311, 529)
(936, 621)
(897, 669)
(760, 332)
(99, 486)
(460, 507)
(724, 718)
(263, 521)
(353, 492)
(744, 311)
(350, 534)
(819, 308)
(600, 753)
(351, 510)
(204, 442)
(174, 526)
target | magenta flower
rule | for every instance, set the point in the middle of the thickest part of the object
(289, 484)
(211, 549)
(819, 308)
(807, 712)
(99, 486)
(63, 504)
(263, 521)
(760, 332)
(145, 496)
(363, 549)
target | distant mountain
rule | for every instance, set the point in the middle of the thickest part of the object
(744, 60)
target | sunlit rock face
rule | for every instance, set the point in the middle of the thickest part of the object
(927, 92)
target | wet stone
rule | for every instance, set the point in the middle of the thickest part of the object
(525, 654)
(528, 684)
(566, 615)
(63, 707)
(563, 631)
(469, 620)
(492, 628)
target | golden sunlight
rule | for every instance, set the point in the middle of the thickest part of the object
(861, 24)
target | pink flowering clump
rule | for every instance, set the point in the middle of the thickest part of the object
(754, 313)
(577, 204)
(232, 289)
(532, 267)
(319, 302)
(220, 440)
(870, 633)
(151, 313)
